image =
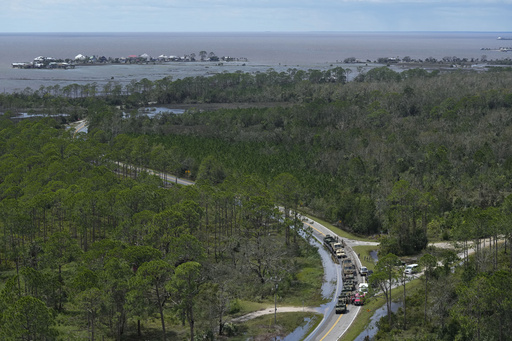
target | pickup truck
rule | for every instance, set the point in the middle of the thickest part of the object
(359, 299)
(411, 269)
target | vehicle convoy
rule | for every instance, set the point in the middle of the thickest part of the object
(351, 292)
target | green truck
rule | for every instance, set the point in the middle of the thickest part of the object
(341, 305)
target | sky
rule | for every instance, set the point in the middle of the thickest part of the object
(254, 15)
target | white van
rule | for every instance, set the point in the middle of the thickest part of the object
(411, 269)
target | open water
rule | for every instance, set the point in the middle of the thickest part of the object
(280, 51)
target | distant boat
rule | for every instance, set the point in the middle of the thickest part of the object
(503, 38)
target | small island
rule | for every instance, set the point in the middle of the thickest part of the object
(42, 62)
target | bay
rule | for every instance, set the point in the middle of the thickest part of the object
(264, 50)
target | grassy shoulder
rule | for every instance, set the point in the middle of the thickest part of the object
(372, 305)
(307, 289)
(364, 255)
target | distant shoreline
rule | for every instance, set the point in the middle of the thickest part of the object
(405, 62)
(277, 51)
(42, 62)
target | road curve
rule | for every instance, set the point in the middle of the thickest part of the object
(333, 325)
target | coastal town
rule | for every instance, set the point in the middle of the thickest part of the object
(42, 62)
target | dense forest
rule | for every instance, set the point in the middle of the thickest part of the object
(86, 252)
(404, 154)
(467, 302)
(411, 157)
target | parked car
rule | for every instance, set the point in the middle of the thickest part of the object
(411, 269)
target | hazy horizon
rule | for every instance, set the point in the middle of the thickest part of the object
(262, 16)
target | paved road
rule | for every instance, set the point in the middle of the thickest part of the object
(333, 326)
(170, 179)
(81, 126)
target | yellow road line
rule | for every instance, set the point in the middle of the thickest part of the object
(338, 320)
(78, 128)
(187, 181)
(334, 325)
(317, 230)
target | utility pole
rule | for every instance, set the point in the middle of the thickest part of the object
(275, 303)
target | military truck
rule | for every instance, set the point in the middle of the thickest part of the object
(340, 253)
(349, 276)
(347, 291)
(337, 246)
(350, 283)
(334, 245)
(348, 270)
(341, 307)
(345, 295)
(328, 239)
(348, 287)
(329, 242)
